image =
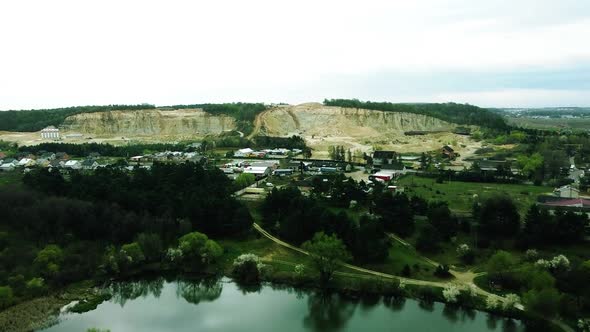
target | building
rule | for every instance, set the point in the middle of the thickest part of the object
(567, 192)
(90, 164)
(381, 158)
(243, 152)
(448, 152)
(74, 136)
(73, 164)
(50, 133)
(7, 167)
(26, 162)
(258, 171)
(283, 171)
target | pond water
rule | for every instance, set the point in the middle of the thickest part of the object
(221, 305)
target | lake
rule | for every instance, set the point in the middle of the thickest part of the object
(222, 305)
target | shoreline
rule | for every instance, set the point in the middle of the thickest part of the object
(44, 311)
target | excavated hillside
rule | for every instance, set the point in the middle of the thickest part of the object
(358, 129)
(150, 122)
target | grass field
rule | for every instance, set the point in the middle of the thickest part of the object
(460, 195)
(576, 124)
(10, 178)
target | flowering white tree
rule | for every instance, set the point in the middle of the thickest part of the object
(560, 263)
(248, 267)
(584, 325)
(531, 255)
(402, 284)
(451, 292)
(492, 303)
(510, 301)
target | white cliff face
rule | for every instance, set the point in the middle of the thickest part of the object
(185, 122)
(319, 120)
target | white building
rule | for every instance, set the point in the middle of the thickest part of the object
(50, 133)
(567, 192)
(259, 171)
(73, 164)
(243, 152)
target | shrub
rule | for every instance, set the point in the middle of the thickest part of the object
(36, 287)
(247, 268)
(451, 293)
(442, 271)
(6, 296)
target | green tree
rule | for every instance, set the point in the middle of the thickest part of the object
(498, 217)
(36, 287)
(151, 246)
(245, 179)
(544, 302)
(197, 248)
(327, 252)
(6, 296)
(49, 260)
(499, 264)
(131, 255)
(439, 215)
(530, 164)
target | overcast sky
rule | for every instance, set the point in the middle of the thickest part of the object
(505, 53)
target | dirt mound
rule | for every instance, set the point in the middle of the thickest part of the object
(358, 129)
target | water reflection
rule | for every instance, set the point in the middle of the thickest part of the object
(394, 303)
(129, 290)
(197, 291)
(328, 312)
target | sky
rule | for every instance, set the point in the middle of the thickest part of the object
(492, 53)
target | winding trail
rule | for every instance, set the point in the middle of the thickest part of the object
(408, 281)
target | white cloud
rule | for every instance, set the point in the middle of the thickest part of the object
(77, 52)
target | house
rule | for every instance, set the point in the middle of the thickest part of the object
(386, 175)
(73, 164)
(7, 167)
(50, 133)
(243, 152)
(567, 192)
(381, 158)
(26, 162)
(258, 171)
(2, 155)
(89, 164)
(42, 162)
(448, 152)
(55, 164)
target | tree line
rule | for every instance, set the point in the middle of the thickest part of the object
(104, 149)
(35, 120)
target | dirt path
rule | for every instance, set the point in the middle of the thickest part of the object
(258, 123)
(466, 277)
(409, 281)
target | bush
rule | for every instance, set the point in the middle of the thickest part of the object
(442, 271)
(451, 293)
(36, 287)
(6, 296)
(247, 268)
